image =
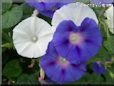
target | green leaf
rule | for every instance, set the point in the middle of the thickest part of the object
(84, 1)
(6, 5)
(99, 10)
(111, 70)
(27, 79)
(109, 44)
(102, 55)
(7, 45)
(83, 79)
(109, 77)
(12, 69)
(6, 41)
(27, 10)
(95, 78)
(103, 27)
(45, 18)
(12, 17)
(23, 79)
(6, 37)
(90, 79)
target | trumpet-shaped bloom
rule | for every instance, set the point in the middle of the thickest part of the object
(79, 43)
(99, 2)
(76, 12)
(110, 18)
(48, 7)
(61, 69)
(31, 37)
(98, 67)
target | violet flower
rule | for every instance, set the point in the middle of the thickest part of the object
(48, 7)
(61, 69)
(98, 68)
(79, 43)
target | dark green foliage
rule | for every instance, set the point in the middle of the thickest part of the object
(15, 67)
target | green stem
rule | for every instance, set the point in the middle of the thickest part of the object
(111, 74)
(42, 74)
(32, 63)
(105, 27)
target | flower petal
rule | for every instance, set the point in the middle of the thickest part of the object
(29, 30)
(64, 27)
(44, 41)
(92, 39)
(76, 12)
(91, 32)
(98, 67)
(57, 72)
(48, 7)
(89, 40)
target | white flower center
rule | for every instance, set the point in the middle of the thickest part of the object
(63, 62)
(34, 39)
(74, 38)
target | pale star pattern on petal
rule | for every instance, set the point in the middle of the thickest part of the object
(31, 37)
(110, 18)
(76, 12)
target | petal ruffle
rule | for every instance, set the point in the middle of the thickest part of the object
(76, 12)
(48, 7)
(24, 33)
(56, 72)
(90, 40)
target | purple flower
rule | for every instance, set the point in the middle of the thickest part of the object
(99, 2)
(79, 43)
(48, 7)
(98, 67)
(61, 69)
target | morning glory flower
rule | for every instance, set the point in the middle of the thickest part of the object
(110, 18)
(31, 37)
(61, 69)
(76, 12)
(98, 68)
(48, 7)
(79, 43)
(100, 2)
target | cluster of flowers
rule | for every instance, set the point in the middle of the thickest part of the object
(66, 46)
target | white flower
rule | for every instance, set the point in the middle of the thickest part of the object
(76, 12)
(31, 37)
(110, 18)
